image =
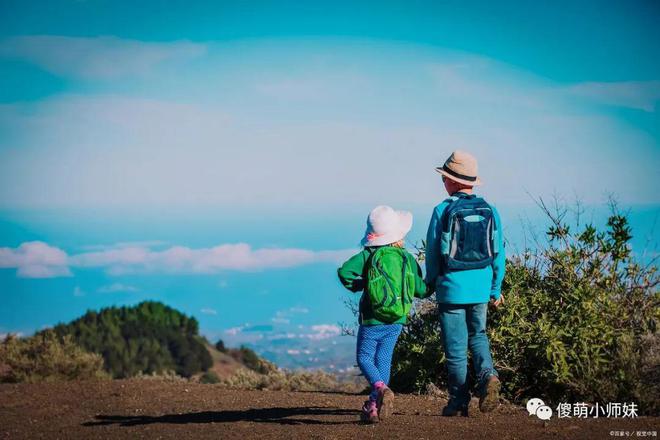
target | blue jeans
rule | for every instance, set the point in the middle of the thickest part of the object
(463, 326)
(375, 346)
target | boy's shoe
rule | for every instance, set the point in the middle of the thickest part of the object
(369, 412)
(385, 402)
(452, 411)
(490, 395)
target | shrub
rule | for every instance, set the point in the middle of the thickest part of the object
(284, 380)
(251, 360)
(579, 323)
(147, 338)
(209, 377)
(47, 357)
(163, 376)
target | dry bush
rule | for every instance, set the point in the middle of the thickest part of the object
(45, 358)
(282, 380)
(167, 375)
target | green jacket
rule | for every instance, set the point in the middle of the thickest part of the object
(352, 275)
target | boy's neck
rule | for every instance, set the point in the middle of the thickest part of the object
(467, 191)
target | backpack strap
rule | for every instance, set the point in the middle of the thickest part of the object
(445, 234)
(495, 234)
(367, 263)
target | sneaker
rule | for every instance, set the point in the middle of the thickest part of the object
(490, 395)
(369, 412)
(452, 410)
(385, 402)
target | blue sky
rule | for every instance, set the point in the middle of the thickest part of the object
(222, 156)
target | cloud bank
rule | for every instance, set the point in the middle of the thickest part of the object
(35, 259)
(39, 260)
(242, 130)
(102, 58)
(641, 95)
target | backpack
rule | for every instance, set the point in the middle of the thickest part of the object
(469, 237)
(390, 283)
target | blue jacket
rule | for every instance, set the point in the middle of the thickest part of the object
(463, 286)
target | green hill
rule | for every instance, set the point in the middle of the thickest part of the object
(148, 338)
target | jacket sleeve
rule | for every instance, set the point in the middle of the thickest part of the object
(499, 262)
(432, 257)
(350, 273)
(422, 290)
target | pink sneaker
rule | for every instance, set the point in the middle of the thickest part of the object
(369, 412)
(385, 402)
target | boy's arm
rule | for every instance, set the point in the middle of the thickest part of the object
(432, 257)
(499, 262)
(350, 273)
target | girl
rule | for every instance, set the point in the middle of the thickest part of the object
(388, 277)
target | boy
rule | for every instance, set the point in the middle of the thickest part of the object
(465, 264)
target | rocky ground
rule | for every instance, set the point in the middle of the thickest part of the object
(150, 408)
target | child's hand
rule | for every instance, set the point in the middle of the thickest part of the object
(499, 301)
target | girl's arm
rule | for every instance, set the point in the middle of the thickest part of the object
(350, 273)
(422, 290)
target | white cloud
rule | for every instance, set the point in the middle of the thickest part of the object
(117, 287)
(233, 331)
(35, 259)
(114, 257)
(209, 311)
(323, 331)
(642, 95)
(39, 260)
(285, 316)
(97, 58)
(181, 259)
(77, 291)
(326, 328)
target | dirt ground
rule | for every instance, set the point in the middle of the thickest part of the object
(182, 410)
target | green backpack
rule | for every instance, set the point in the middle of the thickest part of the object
(390, 283)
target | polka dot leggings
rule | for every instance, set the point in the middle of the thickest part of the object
(375, 345)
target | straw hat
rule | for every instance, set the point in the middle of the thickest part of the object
(386, 226)
(461, 167)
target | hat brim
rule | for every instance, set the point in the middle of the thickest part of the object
(404, 226)
(459, 180)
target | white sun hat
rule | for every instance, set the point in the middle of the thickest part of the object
(386, 226)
